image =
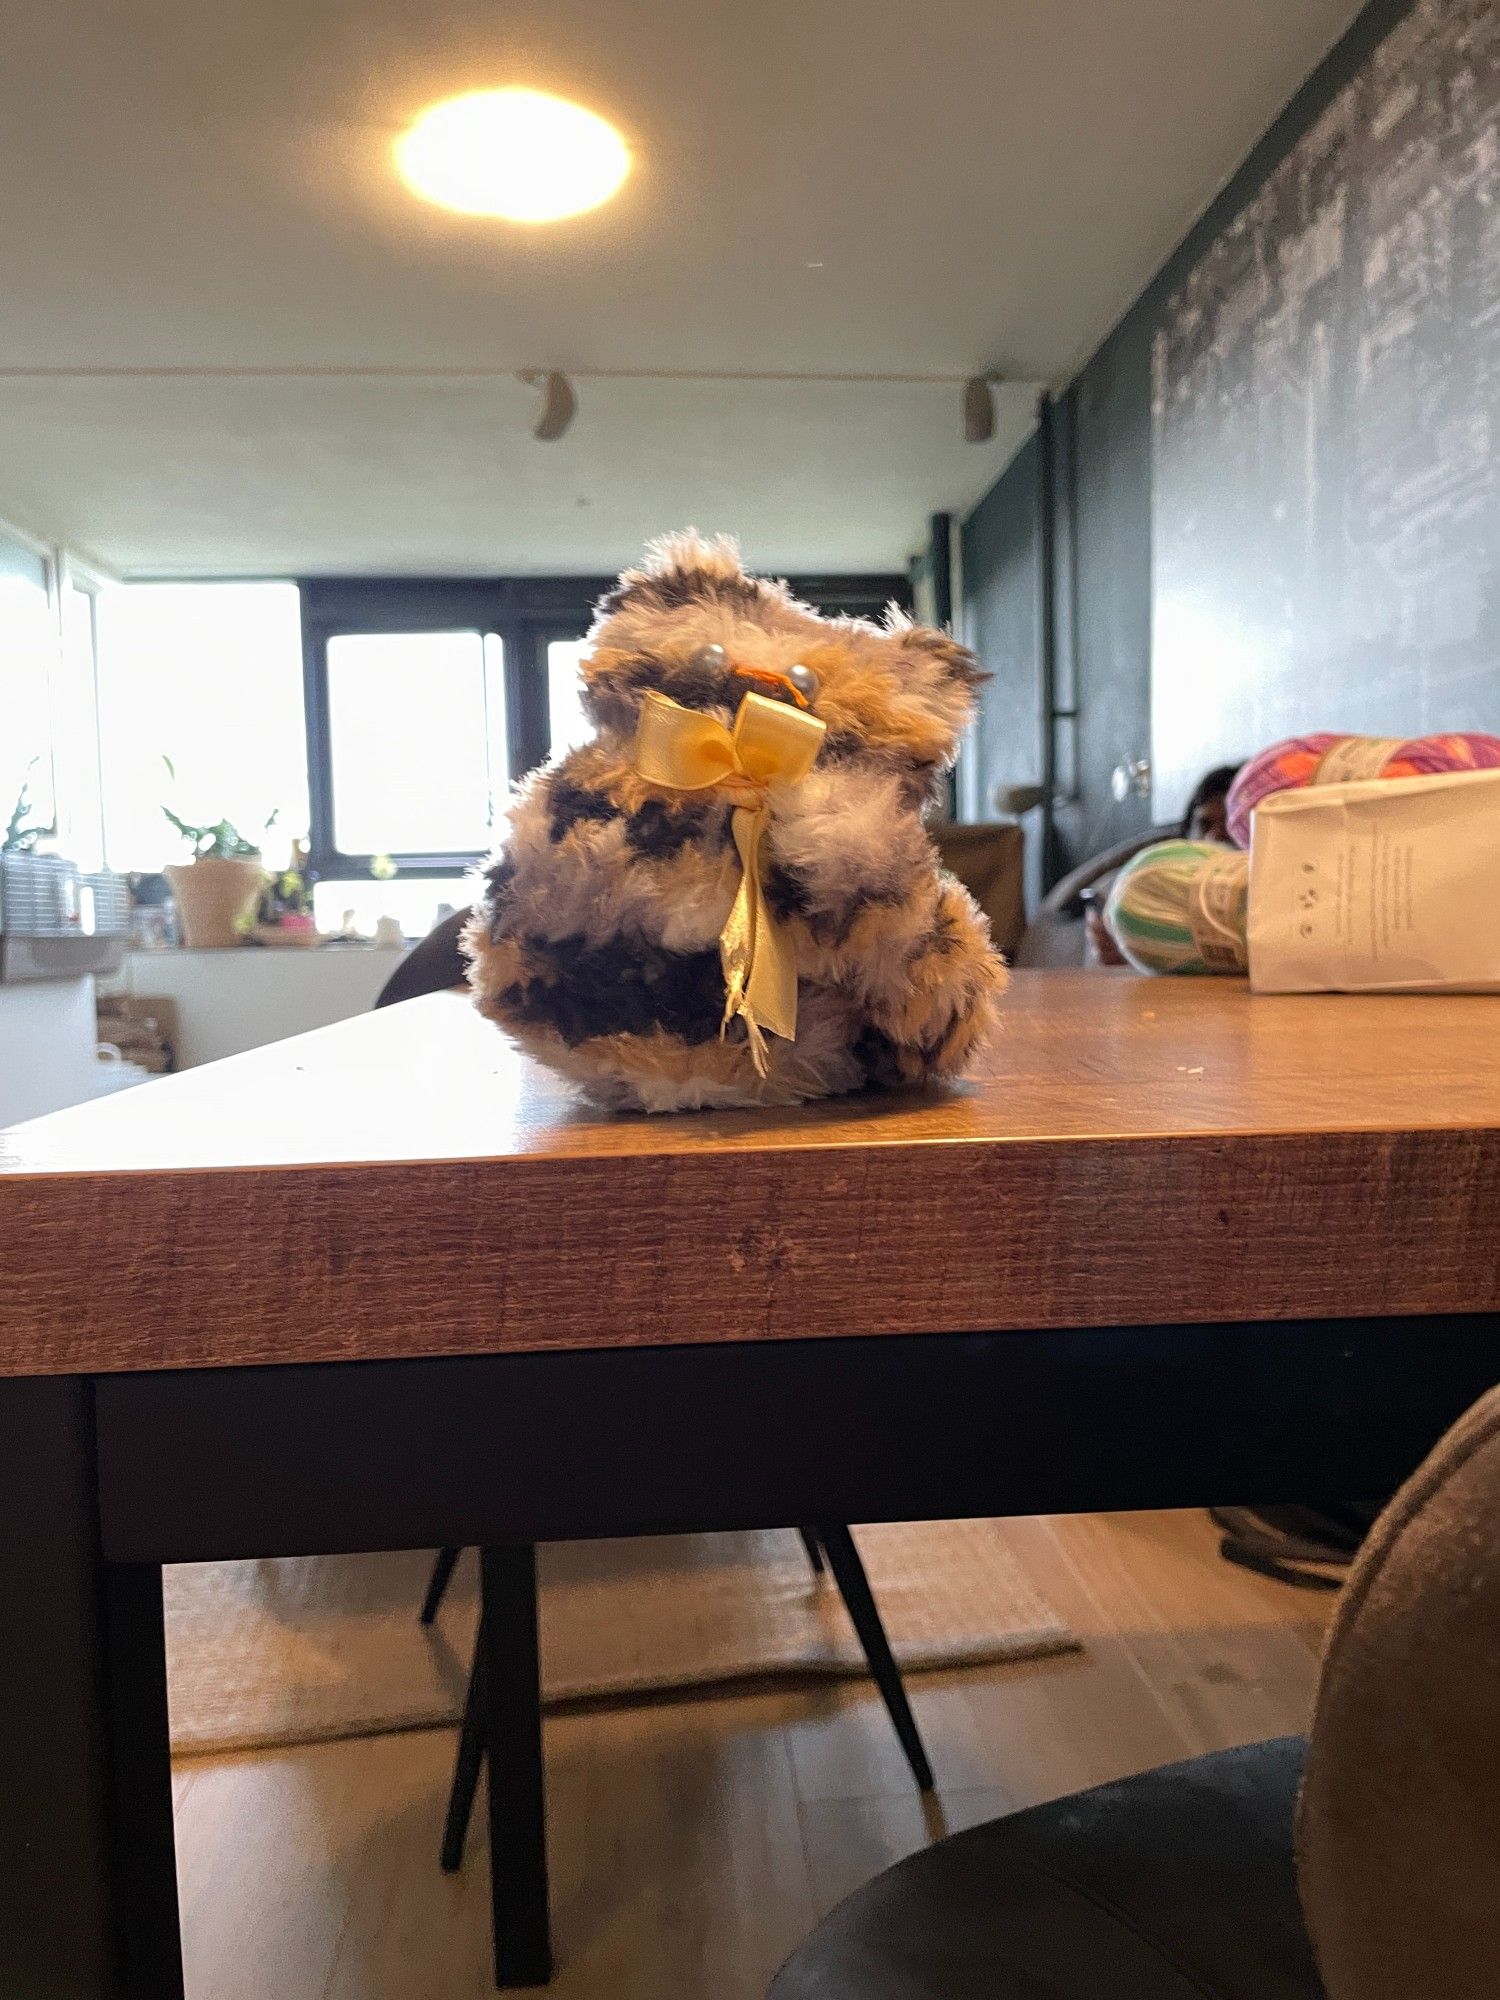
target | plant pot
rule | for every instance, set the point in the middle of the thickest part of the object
(215, 899)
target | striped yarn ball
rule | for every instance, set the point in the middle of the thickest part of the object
(1150, 911)
(1288, 766)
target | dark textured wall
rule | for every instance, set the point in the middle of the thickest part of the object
(1101, 518)
(1326, 432)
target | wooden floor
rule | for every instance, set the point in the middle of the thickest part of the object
(695, 1841)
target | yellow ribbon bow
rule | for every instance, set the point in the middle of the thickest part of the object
(771, 743)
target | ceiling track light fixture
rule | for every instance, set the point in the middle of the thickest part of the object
(979, 408)
(559, 402)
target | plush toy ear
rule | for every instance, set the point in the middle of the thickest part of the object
(941, 656)
(938, 676)
(686, 571)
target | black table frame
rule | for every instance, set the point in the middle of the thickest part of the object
(106, 1478)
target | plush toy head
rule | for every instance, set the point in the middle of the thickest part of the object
(759, 852)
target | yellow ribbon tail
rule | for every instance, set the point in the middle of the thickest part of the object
(770, 743)
(759, 1054)
(760, 967)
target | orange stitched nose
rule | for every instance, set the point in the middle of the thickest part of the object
(769, 677)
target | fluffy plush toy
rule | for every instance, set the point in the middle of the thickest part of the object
(728, 897)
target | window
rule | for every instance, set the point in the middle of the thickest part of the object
(417, 903)
(80, 822)
(417, 741)
(568, 726)
(210, 675)
(427, 698)
(383, 717)
(49, 718)
(28, 666)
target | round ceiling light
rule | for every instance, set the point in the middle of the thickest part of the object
(516, 154)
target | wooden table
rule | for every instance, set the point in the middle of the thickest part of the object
(384, 1286)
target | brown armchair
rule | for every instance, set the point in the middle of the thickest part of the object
(1182, 1884)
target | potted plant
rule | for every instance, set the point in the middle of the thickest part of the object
(22, 830)
(217, 890)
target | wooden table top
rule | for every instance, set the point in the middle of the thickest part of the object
(406, 1184)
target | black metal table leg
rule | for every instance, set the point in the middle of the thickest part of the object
(141, 1763)
(512, 1707)
(88, 1890)
(443, 1567)
(467, 1765)
(854, 1588)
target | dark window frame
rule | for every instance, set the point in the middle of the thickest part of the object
(526, 614)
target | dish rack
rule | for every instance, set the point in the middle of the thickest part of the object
(58, 921)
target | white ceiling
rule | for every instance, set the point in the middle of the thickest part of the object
(266, 478)
(820, 188)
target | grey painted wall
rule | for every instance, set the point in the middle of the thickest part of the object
(1002, 622)
(1100, 569)
(1104, 573)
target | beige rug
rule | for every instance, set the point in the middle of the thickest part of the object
(299, 1651)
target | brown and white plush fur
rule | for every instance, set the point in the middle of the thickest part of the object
(595, 937)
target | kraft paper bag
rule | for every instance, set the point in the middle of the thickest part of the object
(1378, 886)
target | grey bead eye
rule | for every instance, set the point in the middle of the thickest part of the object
(804, 680)
(712, 659)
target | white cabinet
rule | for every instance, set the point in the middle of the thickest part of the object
(230, 1001)
(46, 1047)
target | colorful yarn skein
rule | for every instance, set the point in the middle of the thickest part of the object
(1328, 758)
(1179, 906)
